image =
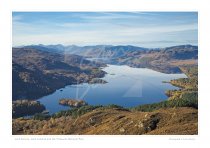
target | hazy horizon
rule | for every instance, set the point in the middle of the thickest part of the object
(100, 45)
(143, 29)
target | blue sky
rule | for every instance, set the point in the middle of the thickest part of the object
(146, 29)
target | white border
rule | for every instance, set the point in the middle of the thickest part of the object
(6, 8)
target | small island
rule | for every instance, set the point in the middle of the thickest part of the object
(165, 82)
(97, 81)
(72, 102)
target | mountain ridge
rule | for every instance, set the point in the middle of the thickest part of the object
(166, 60)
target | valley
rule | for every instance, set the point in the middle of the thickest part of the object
(166, 60)
(38, 72)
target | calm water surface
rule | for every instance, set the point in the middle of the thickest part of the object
(126, 87)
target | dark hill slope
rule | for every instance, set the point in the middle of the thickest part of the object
(37, 73)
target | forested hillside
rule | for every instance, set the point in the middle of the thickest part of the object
(37, 73)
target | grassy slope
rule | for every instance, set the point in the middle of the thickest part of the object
(114, 121)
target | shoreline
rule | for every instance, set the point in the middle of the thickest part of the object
(123, 107)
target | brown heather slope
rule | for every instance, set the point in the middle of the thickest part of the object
(114, 121)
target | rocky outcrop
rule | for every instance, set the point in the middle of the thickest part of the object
(72, 102)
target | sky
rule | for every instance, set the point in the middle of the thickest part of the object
(145, 29)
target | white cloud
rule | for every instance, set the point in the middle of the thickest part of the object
(96, 31)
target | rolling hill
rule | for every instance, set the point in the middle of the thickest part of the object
(166, 60)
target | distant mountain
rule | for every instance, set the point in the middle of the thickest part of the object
(37, 72)
(165, 60)
(108, 51)
(44, 48)
(97, 51)
(181, 52)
